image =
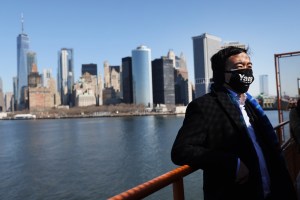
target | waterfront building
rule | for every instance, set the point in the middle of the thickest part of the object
(87, 90)
(65, 75)
(52, 87)
(141, 75)
(47, 75)
(40, 98)
(263, 85)
(181, 80)
(106, 74)
(115, 78)
(2, 103)
(112, 84)
(15, 91)
(126, 83)
(163, 82)
(90, 68)
(8, 101)
(100, 89)
(204, 46)
(1, 84)
(22, 68)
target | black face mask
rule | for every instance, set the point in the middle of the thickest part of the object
(240, 80)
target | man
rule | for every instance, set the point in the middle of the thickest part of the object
(227, 135)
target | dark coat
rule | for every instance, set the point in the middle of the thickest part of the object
(213, 136)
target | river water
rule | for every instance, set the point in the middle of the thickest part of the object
(89, 158)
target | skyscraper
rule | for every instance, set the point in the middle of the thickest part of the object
(127, 80)
(47, 75)
(2, 104)
(263, 85)
(181, 80)
(163, 81)
(15, 91)
(141, 75)
(31, 61)
(90, 68)
(106, 74)
(204, 47)
(65, 75)
(22, 69)
(8, 101)
(1, 84)
(34, 78)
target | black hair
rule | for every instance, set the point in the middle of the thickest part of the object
(218, 62)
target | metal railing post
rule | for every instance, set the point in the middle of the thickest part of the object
(178, 189)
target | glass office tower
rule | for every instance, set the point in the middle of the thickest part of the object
(263, 85)
(127, 80)
(31, 60)
(141, 75)
(90, 68)
(65, 75)
(204, 47)
(22, 71)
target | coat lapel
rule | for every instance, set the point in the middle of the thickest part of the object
(231, 108)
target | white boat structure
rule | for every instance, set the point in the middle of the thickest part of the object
(25, 116)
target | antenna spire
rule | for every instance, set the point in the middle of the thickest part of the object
(22, 22)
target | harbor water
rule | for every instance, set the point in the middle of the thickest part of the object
(89, 158)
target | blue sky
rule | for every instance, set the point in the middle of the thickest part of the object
(101, 30)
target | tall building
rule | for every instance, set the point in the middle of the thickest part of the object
(90, 68)
(15, 92)
(115, 78)
(86, 90)
(112, 84)
(47, 75)
(22, 69)
(204, 47)
(34, 78)
(126, 83)
(163, 82)
(263, 85)
(182, 89)
(2, 103)
(141, 75)
(8, 101)
(31, 61)
(1, 84)
(65, 75)
(106, 74)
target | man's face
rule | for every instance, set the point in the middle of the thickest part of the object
(235, 62)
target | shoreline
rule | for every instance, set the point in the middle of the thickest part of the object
(93, 116)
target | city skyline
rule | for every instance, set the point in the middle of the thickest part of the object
(108, 31)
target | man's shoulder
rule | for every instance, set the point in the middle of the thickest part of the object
(208, 97)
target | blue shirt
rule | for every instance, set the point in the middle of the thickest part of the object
(262, 163)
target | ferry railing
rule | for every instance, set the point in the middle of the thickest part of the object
(290, 150)
(175, 177)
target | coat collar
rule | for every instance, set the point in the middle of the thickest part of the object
(230, 106)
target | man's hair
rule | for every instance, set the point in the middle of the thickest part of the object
(218, 62)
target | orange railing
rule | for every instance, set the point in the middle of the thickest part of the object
(176, 176)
